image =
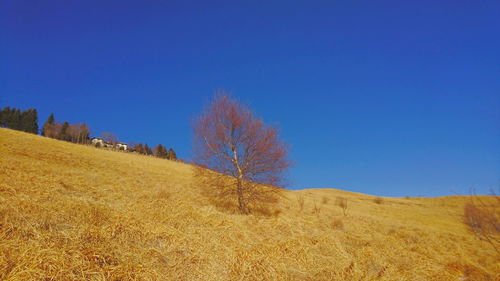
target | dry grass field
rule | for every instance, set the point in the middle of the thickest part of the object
(75, 212)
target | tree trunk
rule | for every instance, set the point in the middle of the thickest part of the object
(241, 200)
(239, 188)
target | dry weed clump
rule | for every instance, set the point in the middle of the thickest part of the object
(483, 221)
(265, 210)
(316, 209)
(342, 203)
(338, 224)
(468, 271)
(163, 194)
(378, 200)
(301, 202)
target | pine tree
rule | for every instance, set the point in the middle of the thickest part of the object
(28, 121)
(63, 135)
(171, 154)
(161, 152)
(4, 115)
(164, 152)
(147, 150)
(34, 121)
(158, 151)
(1, 118)
(11, 118)
(50, 122)
(24, 121)
(14, 119)
(139, 148)
(4, 121)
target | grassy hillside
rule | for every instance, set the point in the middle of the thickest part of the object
(73, 212)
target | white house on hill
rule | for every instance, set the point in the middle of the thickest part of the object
(96, 141)
(121, 145)
(100, 142)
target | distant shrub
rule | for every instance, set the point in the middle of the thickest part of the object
(342, 203)
(325, 200)
(378, 200)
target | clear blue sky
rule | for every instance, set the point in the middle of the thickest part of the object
(390, 98)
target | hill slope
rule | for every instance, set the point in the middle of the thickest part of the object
(74, 212)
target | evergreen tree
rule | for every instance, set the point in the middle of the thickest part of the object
(161, 152)
(139, 148)
(157, 151)
(147, 150)
(4, 115)
(171, 154)
(6, 112)
(63, 135)
(165, 152)
(14, 119)
(1, 118)
(34, 121)
(24, 121)
(28, 121)
(50, 122)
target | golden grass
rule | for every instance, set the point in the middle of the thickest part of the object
(74, 212)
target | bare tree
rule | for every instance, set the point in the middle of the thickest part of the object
(78, 133)
(241, 151)
(53, 130)
(84, 135)
(109, 137)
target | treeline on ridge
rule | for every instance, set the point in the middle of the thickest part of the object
(77, 133)
(27, 121)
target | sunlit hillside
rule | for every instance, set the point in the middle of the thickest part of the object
(75, 212)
